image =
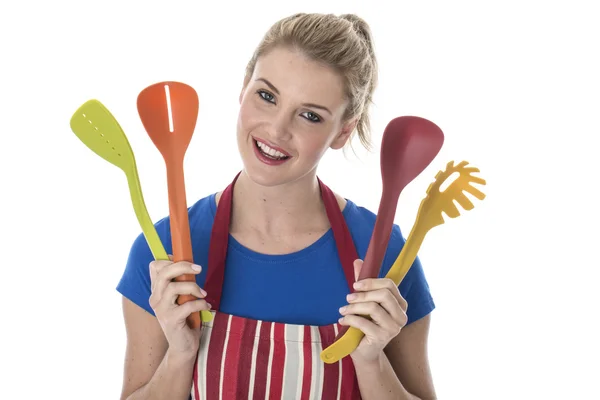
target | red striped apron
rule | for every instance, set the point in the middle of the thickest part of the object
(245, 359)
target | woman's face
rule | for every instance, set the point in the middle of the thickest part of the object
(291, 111)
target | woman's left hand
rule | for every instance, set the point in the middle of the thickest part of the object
(379, 299)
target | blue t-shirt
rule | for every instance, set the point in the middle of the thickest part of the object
(306, 287)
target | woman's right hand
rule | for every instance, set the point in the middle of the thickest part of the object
(172, 316)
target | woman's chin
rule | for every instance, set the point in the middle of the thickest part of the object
(264, 176)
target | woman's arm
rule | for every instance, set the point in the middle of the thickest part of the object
(402, 372)
(151, 372)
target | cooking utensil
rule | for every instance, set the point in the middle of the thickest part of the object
(430, 212)
(429, 215)
(99, 130)
(169, 111)
(408, 146)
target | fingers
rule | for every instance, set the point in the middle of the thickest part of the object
(380, 317)
(165, 290)
(163, 272)
(373, 285)
(369, 328)
(380, 301)
(177, 316)
(195, 306)
(175, 289)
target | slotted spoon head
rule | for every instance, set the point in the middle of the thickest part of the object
(169, 111)
(99, 130)
(408, 146)
(439, 202)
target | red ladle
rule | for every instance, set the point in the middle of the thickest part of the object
(408, 146)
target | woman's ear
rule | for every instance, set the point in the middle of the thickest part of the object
(244, 86)
(344, 134)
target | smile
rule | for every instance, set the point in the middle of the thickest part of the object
(269, 152)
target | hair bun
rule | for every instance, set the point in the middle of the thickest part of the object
(360, 26)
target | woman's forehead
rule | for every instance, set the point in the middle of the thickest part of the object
(295, 75)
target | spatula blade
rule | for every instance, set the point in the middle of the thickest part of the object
(99, 130)
(169, 111)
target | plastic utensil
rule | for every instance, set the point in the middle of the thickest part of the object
(408, 146)
(429, 215)
(169, 111)
(99, 130)
(430, 212)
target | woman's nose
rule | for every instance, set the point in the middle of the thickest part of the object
(280, 126)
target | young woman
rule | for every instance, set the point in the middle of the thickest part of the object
(279, 273)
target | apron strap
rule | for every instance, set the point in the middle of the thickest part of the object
(217, 251)
(341, 233)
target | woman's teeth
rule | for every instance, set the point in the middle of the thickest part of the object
(266, 150)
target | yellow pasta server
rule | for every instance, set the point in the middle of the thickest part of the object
(428, 217)
(99, 130)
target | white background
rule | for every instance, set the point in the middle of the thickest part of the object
(514, 85)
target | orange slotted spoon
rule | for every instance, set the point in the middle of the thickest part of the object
(169, 111)
(429, 216)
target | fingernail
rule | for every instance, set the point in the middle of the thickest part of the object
(342, 309)
(203, 291)
(358, 285)
(209, 306)
(351, 297)
(196, 267)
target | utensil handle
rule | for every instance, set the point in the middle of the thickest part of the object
(408, 254)
(141, 212)
(378, 244)
(343, 346)
(380, 237)
(178, 213)
(180, 231)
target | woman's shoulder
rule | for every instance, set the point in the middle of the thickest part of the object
(206, 205)
(356, 214)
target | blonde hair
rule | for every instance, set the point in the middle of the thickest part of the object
(343, 43)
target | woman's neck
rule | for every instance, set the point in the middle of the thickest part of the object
(278, 211)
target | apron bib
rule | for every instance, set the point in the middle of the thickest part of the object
(246, 359)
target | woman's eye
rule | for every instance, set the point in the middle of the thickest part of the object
(311, 116)
(266, 96)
